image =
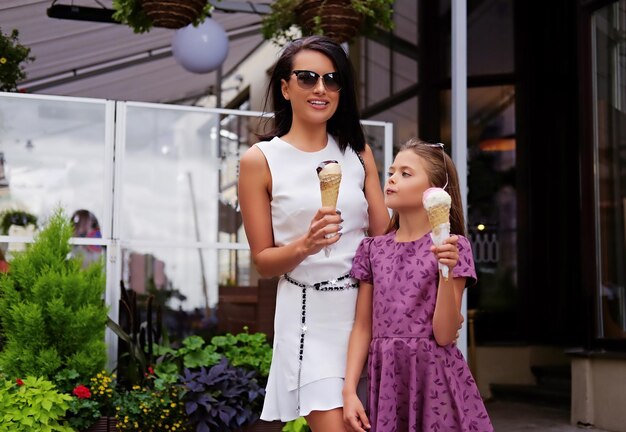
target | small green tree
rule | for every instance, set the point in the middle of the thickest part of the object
(52, 310)
(13, 55)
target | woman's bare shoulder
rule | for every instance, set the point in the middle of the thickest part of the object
(253, 157)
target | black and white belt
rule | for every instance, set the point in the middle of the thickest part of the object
(341, 283)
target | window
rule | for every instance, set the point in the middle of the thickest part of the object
(609, 99)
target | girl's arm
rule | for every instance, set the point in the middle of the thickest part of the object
(447, 317)
(353, 413)
(378, 213)
(254, 190)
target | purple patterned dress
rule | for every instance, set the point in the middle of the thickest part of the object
(415, 384)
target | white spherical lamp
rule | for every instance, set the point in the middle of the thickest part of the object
(200, 49)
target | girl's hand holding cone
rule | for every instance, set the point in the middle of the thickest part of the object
(447, 253)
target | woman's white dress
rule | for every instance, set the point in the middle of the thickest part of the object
(316, 321)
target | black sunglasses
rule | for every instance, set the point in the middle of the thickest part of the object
(308, 79)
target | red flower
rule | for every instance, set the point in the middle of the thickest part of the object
(150, 370)
(81, 392)
(19, 382)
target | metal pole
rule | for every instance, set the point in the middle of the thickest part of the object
(459, 119)
(205, 289)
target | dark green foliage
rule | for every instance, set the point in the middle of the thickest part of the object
(221, 398)
(52, 311)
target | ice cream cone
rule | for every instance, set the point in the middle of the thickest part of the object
(437, 205)
(329, 174)
(439, 216)
(329, 187)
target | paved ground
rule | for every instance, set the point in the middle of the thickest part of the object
(519, 417)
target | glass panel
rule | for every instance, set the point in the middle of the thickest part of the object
(403, 116)
(492, 209)
(235, 138)
(52, 152)
(489, 31)
(405, 20)
(394, 70)
(375, 138)
(178, 278)
(170, 177)
(376, 57)
(234, 267)
(610, 159)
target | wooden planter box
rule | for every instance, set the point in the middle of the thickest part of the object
(107, 424)
(104, 424)
(263, 426)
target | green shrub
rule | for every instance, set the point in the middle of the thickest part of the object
(51, 309)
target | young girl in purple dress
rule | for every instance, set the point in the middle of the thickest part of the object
(408, 316)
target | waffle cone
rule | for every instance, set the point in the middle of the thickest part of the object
(329, 187)
(438, 216)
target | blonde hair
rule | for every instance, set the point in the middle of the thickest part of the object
(440, 169)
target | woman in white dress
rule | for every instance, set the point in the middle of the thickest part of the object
(315, 119)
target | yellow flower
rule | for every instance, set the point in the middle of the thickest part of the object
(3, 60)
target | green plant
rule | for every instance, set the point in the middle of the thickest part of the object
(193, 353)
(276, 26)
(83, 412)
(90, 401)
(52, 310)
(32, 404)
(297, 425)
(248, 350)
(152, 408)
(12, 57)
(131, 13)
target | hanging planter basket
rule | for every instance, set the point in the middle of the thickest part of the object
(173, 14)
(337, 19)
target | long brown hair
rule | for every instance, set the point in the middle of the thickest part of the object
(437, 163)
(345, 124)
